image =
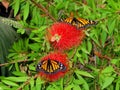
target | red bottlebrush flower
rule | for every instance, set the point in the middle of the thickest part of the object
(64, 36)
(53, 66)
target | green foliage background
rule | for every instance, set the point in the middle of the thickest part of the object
(96, 63)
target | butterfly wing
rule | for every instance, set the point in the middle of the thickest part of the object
(69, 20)
(84, 23)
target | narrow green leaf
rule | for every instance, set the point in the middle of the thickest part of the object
(39, 83)
(42, 28)
(76, 87)
(26, 87)
(96, 41)
(16, 73)
(10, 83)
(89, 45)
(48, 45)
(12, 55)
(32, 83)
(17, 67)
(69, 87)
(107, 82)
(84, 50)
(85, 84)
(21, 31)
(81, 61)
(111, 26)
(1, 88)
(35, 46)
(26, 11)
(16, 7)
(115, 61)
(93, 4)
(117, 87)
(31, 67)
(66, 4)
(77, 82)
(103, 37)
(84, 73)
(37, 39)
(108, 69)
(61, 84)
(113, 4)
(17, 79)
(78, 54)
(4, 87)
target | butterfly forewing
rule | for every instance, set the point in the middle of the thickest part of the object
(44, 65)
(55, 65)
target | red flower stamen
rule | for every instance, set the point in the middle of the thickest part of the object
(64, 36)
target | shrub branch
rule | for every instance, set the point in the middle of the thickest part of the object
(4, 64)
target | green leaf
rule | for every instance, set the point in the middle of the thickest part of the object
(107, 82)
(12, 55)
(85, 84)
(117, 85)
(35, 46)
(59, 5)
(48, 45)
(17, 67)
(67, 4)
(78, 54)
(41, 29)
(26, 11)
(17, 79)
(10, 83)
(26, 87)
(89, 45)
(32, 83)
(69, 87)
(21, 31)
(39, 83)
(37, 39)
(77, 82)
(16, 6)
(84, 50)
(84, 73)
(111, 26)
(95, 39)
(76, 87)
(108, 69)
(103, 37)
(115, 61)
(61, 84)
(3, 86)
(16, 73)
(31, 67)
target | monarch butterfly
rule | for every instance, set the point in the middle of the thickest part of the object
(80, 22)
(50, 66)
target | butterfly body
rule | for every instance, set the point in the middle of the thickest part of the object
(50, 66)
